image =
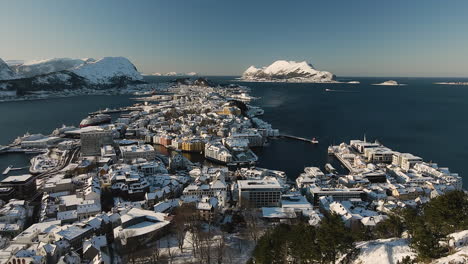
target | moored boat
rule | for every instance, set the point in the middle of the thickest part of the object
(93, 120)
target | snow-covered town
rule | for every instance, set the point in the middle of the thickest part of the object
(125, 191)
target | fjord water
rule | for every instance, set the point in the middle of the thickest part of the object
(422, 118)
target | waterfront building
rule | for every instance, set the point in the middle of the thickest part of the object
(405, 161)
(44, 142)
(378, 154)
(193, 145)
(218, 152)
(254, 138)
(361, 146)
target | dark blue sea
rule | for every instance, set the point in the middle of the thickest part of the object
(422, 118)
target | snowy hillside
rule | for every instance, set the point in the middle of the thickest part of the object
(107, 69)
(5, 71)
(393, 250)
(67, 74)
(287, 71)
(39, 67)
(383, 251)
(173, 74)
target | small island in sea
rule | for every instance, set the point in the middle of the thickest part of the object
(452, 83)
(389, 83)
(288, 71)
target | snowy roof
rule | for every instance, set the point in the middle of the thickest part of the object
(278, 212)
(17, 178)
(259, 184)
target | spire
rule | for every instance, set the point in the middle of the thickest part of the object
(365, 140)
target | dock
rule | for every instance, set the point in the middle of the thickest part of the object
(313, 141)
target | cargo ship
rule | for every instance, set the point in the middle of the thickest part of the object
(93, 120)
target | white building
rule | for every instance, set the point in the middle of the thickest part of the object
(132, 152)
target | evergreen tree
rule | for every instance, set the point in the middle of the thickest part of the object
(426, 242)
(391, 227)
(447, 213)
(333, 238)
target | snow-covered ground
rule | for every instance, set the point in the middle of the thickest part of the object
(383, 251)
(393, 250)
(237, 249)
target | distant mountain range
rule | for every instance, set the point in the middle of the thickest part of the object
(287, 71)
(68, 73)
(172, 74)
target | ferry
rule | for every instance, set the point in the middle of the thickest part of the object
(93, 120)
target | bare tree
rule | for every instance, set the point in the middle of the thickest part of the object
(252, 222)
(156, 252)
(129, 247)
(183, 216)
(221, 248)
(170, 252)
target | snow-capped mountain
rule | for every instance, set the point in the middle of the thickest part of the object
(173, 74)
(287, 71)
(69, 73)
(39, 67)
(12, 63)
(108, 70)
(6, 73)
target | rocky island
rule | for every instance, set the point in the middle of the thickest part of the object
(288, 71)
(389, 83)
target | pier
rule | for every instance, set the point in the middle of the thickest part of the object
(313, 141)
(10, 168)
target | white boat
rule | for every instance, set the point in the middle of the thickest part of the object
(314, 141)
(7, 170)
(93, 120)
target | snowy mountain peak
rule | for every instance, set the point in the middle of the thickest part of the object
(72, 73)
(104, 70)
(289, 71)
(282, 66)
(5, 71)
(39, 67)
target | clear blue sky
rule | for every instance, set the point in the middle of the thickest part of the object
(348, 38)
